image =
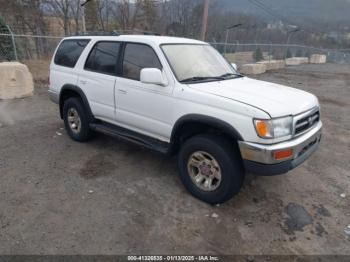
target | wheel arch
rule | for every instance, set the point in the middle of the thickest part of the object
(68, 91)
(193, 124)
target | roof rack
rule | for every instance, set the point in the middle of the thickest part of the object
(151, 33)
(98, 33)
(139, 31)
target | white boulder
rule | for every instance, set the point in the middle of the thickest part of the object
(16, 81)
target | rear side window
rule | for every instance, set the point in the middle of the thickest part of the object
(137, 57)
(69, 52)
(103, 58)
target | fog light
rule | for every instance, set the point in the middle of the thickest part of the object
(282, 154)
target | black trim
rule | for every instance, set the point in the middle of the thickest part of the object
(201, 119)
(120, 60)
(265, 169)
(79, 91)
(129, 135)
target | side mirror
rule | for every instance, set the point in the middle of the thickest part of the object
(152, 76)
(234, 66)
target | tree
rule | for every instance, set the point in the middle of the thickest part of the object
(27, 17)
(104, 12)
(60, 9)
(258, 55)
(6, 46)
(91, 17)
(126, 14)
(75, 10)
(148, 14)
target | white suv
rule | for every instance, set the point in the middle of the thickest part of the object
(180, 96)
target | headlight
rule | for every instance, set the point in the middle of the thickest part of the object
(274, 128)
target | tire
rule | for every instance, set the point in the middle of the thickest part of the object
(83, 132)
(228, 162)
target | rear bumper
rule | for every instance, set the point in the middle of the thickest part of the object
(259, 159)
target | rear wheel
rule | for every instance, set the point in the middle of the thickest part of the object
(76, 120)
(211, 168)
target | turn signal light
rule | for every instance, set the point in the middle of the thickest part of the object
(261, 128)
(282, 154)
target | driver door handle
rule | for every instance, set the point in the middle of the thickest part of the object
(122, 91)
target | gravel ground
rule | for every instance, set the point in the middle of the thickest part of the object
(111, 197)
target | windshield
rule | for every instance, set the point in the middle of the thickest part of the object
(193, 63)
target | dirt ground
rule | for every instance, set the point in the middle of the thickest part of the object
(111, 197)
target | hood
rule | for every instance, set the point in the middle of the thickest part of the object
(276, 100)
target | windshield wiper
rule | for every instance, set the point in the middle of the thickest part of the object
(230, 75)
(201, 78)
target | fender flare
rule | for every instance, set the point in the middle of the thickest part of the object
(79, 91)
(203, 119)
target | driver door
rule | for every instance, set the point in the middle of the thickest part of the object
(144, 108)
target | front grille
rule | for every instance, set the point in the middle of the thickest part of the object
(307, 122)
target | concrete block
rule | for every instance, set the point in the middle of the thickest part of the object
(303, 60)
(241, 58)
(16, 81)
(273, 64)
(253, 69)
(318, 59)
(297, 61)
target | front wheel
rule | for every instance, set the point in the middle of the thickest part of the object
(211, 168)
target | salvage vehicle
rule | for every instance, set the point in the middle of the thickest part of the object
(180, 96)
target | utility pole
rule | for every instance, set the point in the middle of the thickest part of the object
(289, 34)
(205, 20)
(227, 31)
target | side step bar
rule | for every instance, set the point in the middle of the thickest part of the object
(123, 133)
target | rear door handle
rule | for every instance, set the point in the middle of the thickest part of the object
(121, 91)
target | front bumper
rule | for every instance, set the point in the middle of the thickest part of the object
(259, 158)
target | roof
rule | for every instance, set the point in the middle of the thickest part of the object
(150, 39)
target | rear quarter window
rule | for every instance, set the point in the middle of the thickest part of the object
(69, 52)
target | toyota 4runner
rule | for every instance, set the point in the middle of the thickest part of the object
(180, 96)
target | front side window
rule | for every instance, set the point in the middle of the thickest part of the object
(104, 58)
(69, 52)
(193, 62)
(137, 57)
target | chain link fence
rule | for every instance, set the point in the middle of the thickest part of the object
(31, 47)
(251, 52)
(36, 52)
(27, 47)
